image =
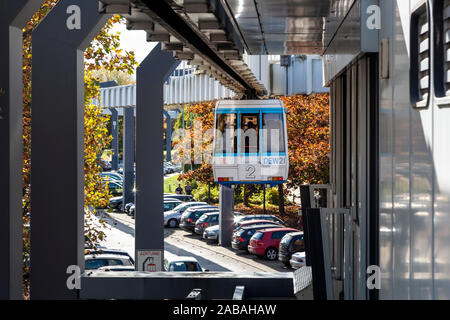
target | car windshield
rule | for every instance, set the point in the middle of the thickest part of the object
(203, 218)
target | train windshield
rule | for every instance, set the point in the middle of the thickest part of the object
(249, 126)
(273, 133)
(226, 134)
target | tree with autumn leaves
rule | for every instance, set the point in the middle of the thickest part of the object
(308, 140)
(103, 53)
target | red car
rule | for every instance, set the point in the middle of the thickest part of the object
(266, 242)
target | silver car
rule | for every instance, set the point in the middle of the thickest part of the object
(172, 217)
(298, 260)
(212, 233)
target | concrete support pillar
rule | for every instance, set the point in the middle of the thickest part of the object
(150, 77)
(226, 215)
(115, 139)
(13, 17)
(57, 157)
(128, 155)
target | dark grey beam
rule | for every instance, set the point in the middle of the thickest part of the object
(13, 17)
(128, 155)
(115, 139)
(150, 77)
(57, 178)
(177, 285)
(226, 215)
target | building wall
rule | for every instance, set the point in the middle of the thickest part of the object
(302, 76)
(414, 173)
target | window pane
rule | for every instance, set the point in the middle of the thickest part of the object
(114, 262)
(177, 266)
(226, 134)
(191, 266)
(95, 264)
(249, 133)
(273, 133)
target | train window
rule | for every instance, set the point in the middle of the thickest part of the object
(442, 48)
(249, 125)
(226, 134)
(273, 133)
(420, 56)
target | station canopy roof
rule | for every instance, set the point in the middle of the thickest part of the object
(280, 27)
(213, 35)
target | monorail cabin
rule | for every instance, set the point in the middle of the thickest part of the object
(250, 142)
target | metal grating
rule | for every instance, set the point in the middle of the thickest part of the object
(302, 279)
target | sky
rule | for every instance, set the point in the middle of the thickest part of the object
(134, 41)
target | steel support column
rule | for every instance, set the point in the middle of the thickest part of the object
(226, 215)
(128, 155)
(115, 139)
(13, 17)
(57, 175)
(150, 77)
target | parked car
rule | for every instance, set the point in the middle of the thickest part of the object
(182, 264)
(241, 237)
(132, 211)
(111, 176)
(250, 223)
(175, 166)
(260, 217)
(298, 260)
(116, 203)
(106, 165)
(96, 261)
(207, 220)
(169, 167)
(212, 233)
(265, 243)
(190, 217)
(289, 244)
(103, 250)
(169, 204)
(127, 207)
(117, 268)
(172, 217)
(115, 188)
(181, 197)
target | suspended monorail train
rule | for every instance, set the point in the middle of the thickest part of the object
(250, 142)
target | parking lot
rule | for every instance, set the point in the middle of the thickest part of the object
(120, 235)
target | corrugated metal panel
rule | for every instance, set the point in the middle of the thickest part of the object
(301, 77)
(187, 88)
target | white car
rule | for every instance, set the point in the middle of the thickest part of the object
(298, 260)
(97, 261)
(172, 217)
(173, 263)
(117, 268)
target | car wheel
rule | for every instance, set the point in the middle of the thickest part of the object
(173, 223)
(271, 254)
(287, 264)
